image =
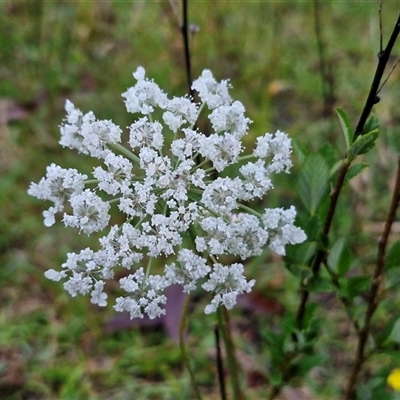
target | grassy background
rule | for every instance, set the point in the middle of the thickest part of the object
(55, 347)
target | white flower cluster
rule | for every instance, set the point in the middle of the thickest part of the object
(175, 202)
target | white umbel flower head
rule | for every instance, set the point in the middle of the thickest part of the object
(226, 283)
(90, 213)
(176, 205)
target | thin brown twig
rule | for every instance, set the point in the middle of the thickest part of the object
(388, 76)
(185, 34)
(328, 92)
(372, 99)
(380, 27)
(375, 289)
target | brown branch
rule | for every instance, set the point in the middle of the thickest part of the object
(372, 99)
(376, 286)
(185, 34)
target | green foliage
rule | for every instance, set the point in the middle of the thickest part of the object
(354, 286)
(354, 170)
(393, 256)
(362, 144)
(339, 258)
(372, 124)
(313, 181)
(346, 127)
(386, 333)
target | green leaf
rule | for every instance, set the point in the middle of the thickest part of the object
(346, 127)
(273, 338)
(319, 284)
(395, 333)
(275, 345)
(392, 278)
(311, 227)
(300, 271)
(299, 150)
(393, 256)
(300, 254)
(313, 181)
(339, 258)
(382, 336)
(354, 170)
(371, 125)
(309, 314)
(362, 144)
(275, 377)
(356, 285)
(328, 153)
(308, 362)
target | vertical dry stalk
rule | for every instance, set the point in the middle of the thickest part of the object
(375, 289)
(185, 33)
(325, 69)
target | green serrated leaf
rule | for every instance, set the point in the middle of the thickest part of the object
(313, 181)
(371, 125)
(393, 256)
(362, 144)
(339, 258)
(327, 151)
(346, 126)
(354, 170)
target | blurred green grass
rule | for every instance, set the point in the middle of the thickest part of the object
(52, 346)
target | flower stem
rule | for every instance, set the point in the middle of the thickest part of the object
(250, 210)
(220, 364)
(245, 158)
(91, 181)
(224, 322)
(148, 268)
(182, 345)
(123, 150)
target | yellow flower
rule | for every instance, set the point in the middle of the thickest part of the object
(393, 379)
